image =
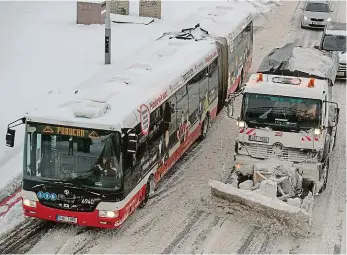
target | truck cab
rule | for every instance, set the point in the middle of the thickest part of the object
(287, 113)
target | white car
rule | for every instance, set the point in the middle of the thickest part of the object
(334, 39)
(317, 14)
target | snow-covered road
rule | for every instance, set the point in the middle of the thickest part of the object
(183, 218)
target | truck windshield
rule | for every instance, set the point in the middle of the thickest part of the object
(317, 7)
(281, 111)
(334, 43)
(80, 156)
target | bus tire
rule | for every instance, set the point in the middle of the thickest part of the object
(204, 127)
(149, 189)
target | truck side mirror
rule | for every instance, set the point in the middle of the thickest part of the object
(10, 135)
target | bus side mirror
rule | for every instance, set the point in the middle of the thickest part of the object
(10, 135)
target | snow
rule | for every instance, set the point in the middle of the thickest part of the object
(11, 220)
(143, 232)
(259, 202)
(314, 62)
(118, 18)
(58, 55)
(336, 32)
(151, 74)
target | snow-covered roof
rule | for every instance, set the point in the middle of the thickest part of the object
(294, 60)
(220, 20)
(112, 99)
(300, 89)
(336, 32)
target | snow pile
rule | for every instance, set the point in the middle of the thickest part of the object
(272, 207)
(314, 62)
(274, 189)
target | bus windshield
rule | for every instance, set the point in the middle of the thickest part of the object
(334, 43)
(89, 158)
(281, 112)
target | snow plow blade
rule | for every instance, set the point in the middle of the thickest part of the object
(288, 214)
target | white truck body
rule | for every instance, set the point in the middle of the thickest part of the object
(309, 81)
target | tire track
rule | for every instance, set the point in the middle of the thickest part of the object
(25, 237)
(180, 236)
(202, 236)
(255, 231)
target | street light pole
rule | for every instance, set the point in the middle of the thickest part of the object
(108, 33)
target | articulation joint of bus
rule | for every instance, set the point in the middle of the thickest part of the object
(287, 129)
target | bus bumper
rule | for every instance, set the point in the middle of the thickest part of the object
(88, 219)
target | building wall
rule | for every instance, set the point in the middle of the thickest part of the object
(150, 8)
(90, 13)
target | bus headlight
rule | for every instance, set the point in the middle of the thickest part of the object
(29, 203)
(108, 214)
(317, 131)
(241, 124)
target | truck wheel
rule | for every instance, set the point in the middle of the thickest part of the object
(326, 148)
(325, 177)
(334, 139)
(205, 126)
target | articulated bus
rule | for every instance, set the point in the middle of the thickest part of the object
(92, 156)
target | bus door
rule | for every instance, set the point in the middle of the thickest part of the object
(222, 47)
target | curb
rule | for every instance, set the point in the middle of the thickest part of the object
(8, 202)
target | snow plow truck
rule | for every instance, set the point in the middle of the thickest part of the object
(287, 131)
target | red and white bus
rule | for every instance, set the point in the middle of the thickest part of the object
(93, 156)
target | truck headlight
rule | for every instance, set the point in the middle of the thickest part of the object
(29, 203)
(241, 124)
(317, 131)
(329, 19)
(305, 18)
(108, 214)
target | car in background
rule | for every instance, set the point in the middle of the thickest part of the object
(334, 39)
(317, 14)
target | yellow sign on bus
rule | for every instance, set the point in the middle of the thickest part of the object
(70, 131)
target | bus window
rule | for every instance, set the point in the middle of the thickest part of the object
(194, 97)
(213, 80)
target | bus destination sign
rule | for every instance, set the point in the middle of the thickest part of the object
(69, 131)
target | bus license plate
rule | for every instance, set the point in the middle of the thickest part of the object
(66, 219)
(262, 139)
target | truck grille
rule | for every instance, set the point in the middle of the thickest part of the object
(266, 152)
(342, 67)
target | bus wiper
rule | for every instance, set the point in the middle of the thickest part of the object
(51, 182)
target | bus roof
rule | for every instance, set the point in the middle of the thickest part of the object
(111, 100)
